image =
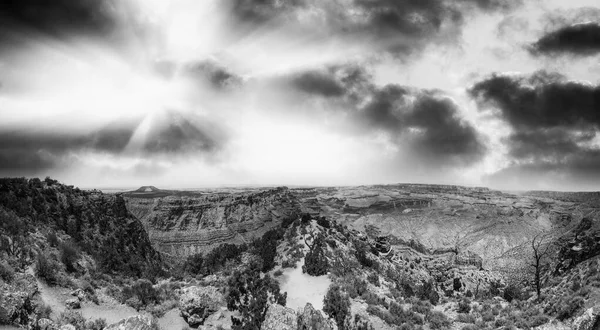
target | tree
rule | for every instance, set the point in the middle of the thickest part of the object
(540, 262)
(315, 262)
(336, 304)
(250, 295)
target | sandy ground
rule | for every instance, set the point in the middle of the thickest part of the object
(302, 288)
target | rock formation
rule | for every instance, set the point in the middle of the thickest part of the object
(184, 225)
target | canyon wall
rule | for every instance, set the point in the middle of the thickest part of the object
(186, 224)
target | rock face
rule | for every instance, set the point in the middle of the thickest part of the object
(198, 303)
(138, 322)
(16, 299)
(279, 318)
(590, 320)
(182, 225)
(311, 319)
(467, 227)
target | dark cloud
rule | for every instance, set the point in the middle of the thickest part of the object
(578, 39)
(30, 152)
(425, 122)
(35, 151)
(398, 26)
(58, 16)
(554, 122)
(540, 100)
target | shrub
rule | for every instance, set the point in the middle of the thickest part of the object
(465, 318)
(315, 263)
(488, 316)
(373, 278)
(512, 292)
(336, 304)
(73, 318)
(422, 307)
(438, 320)
(278, 273)
(46, 269)
(323, 222)
(69, 255)
(266, 248)
(569, 307)
(52, 239)
(143, 291)
(7, 273)
(250, 295)
(464, 306)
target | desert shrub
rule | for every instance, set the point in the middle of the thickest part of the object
(402, 316)
(43, 311)
(464, 306)
(323, 222)
(336, 304)
(250, 295)
(421, 307)
(214, 260)
(512, 292)
(141, 291)
(427, 292)
(278, 273)
(456, 284)
(72, 317)
(69, 255)
(315, 262)
(569, 307)
(52, 239)
(46, 269)
(361, 323)
(373, 278)
(289, 263)
(465, 318)
(438, 320)
(488, 316)
(361, 254)
(266, 248)
(7, 273)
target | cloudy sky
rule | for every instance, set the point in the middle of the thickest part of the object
(186, 93)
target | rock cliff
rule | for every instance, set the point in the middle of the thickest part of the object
(186, 224)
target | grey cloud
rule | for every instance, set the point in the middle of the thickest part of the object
(425, 121)
(579, 39)
(554, 122)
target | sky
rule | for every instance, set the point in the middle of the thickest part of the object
(185, 94)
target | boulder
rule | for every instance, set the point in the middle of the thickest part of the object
(68, 327)
(280, 318)
(138, 322)
(45, 324)
(80, 294)
(590, 320)
(16, 299)
(197, 303)
(73, 303)
(312, 319)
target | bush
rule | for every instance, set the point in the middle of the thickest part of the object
(69, 255)
(315, 263)
(438, 320)
(250, 295)
(266, 248)
(7, 273)
(512, 292)
(464, 306)
(278, 273)
(46, 269)
(52, 239)
(336, 304)
(373, 278)
(143, 291)
(323, 222)
(214, 260)
(465, 318)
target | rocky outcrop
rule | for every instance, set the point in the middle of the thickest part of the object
(279, 318)
(590, 320)
(198, 303)
(138, 322)
(16, 299)
(184, 225)
(311, 319)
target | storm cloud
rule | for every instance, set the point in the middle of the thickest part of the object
(579, 39)
(554, 122)
(426, 122)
